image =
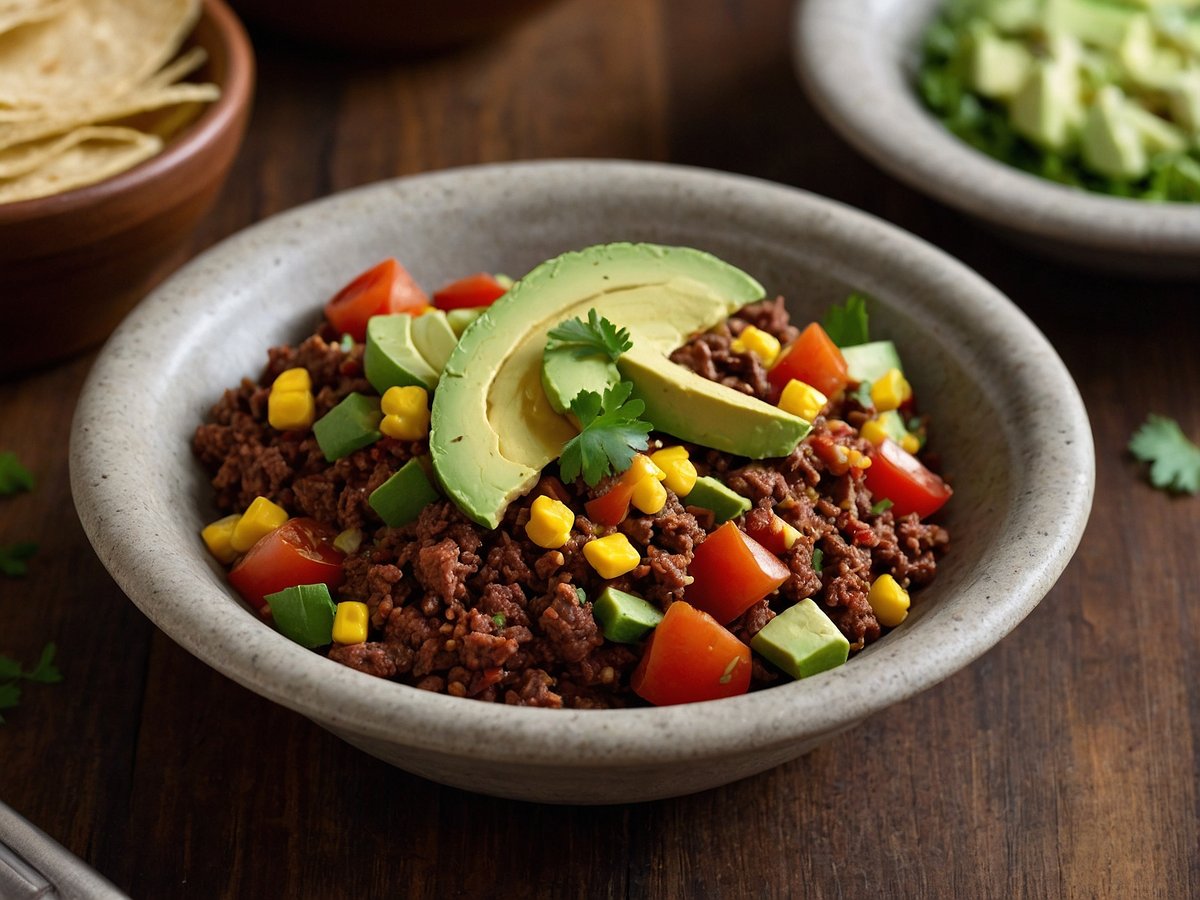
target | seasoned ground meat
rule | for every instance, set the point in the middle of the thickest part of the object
(487, 614)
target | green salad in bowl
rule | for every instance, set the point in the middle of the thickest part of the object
(1098, 94)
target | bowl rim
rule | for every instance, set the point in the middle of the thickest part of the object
(215, 119)
(349, 701)
(879, 114)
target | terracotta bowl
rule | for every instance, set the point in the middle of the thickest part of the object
(72, 264)
(400, 25)
(1008, 423)
(858, 60)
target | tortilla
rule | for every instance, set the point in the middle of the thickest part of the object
(99, 153)
(15, 13)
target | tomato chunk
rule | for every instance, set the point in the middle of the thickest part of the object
(385, 288)
(300, 551)
(611, 507)
(690, 658)
(480, 289)
(897, 475)
(731, 572)
(772, 532)
(814, 359)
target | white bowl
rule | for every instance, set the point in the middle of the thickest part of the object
(1009, 424)
(858, 60)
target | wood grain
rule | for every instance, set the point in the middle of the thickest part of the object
(1061, 764)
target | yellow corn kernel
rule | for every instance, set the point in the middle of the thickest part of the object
(643, 467)
(217, 537)
(612, 556)
(802, 400)
(668, 455)
(649, 496)
(405, 413)
(857, 460)
(260, 519)
(291, 410)
(550, 522)
(350, 622)
(296, 379)
(911, 443)
(679, 471)
(888, 600)
(890, 390)
(790, 534)
(761, 343)
(873, 431)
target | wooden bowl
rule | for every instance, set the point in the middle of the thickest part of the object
(397, 25)
(72, 264)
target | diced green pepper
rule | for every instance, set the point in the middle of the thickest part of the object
(624, 618)
(400, 499)
(349, 426)
(304, 614)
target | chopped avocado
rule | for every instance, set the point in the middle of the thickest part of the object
(624, 618)
(392, 358)
(1048, 109)
(869, 362)
(999, 66)
(1094, 22)
(434, 338)
(400, 499)
(1149, 63)
(802, 641)
(459, 319)
(304, 614)
(1184, 100)
(1010, 16)
(493, 428)
(709, 493)
(1111, 143)
(1157, 134)
(349, 426)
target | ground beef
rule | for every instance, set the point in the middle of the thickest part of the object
(459, 609)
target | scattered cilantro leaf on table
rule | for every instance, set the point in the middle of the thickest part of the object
(44, 671)
(1174, 460)
(13, 558)
(610, 434)
(14, 477)
(10, 696)
(846, 323)
(595, 336)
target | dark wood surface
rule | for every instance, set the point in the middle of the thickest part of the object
(1061, 764)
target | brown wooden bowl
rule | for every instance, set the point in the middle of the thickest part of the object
(416, 26)
(72, 264)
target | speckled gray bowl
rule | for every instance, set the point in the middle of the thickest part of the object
(1008, 422)
(857, 59)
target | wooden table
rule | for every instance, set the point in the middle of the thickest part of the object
(1063, 763)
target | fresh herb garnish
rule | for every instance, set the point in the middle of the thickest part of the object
(818, 559)
(11, 671)
(610, 434)
(1174, 460)
(14, 477)
(595, 336)
(499, 619)
(846, 324)
(862, 395)
(13, 558)
(581, 595)
(347, 343)
(882, 506)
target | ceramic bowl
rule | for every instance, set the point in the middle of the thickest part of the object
(1023, 481)
(72, 264)
(858, 59)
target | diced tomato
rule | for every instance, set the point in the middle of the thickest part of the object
(480, 289)
(612, 507)
(897, 475)
(300, 551)
(386, 288)
(731, 572)
(814, 359)
(690, 658)
(773, 533)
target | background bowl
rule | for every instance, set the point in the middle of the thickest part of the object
(72, 264)
(1008, 422)
(858, 59)
(402, 25)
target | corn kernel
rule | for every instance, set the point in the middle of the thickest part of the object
(888, 601)
(873, 431)
(668, 454)
(406, 413)
(550, 522)
(680, 473)
(911, 443)
(612, 556)
(260, 519)
(802, 400)
(857, 460)
(217, 536)
(350, 622)
(890, 390)
(649, 496)
(790, 534)
(289, 380)
(761, 343)
(291, 410)
(643, 467)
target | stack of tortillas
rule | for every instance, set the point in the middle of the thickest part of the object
(90, 88)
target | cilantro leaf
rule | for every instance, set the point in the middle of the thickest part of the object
(595, 336)
(45, 672)
(9, 668)
(610, 434)
(14, 477)
(818, 559)
(14, 556)
(846, 324)
(10, 696)
(862, 395)
(882, 506)
(1174, 460)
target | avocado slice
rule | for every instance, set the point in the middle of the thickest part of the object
(391, 357)
(871, 361)
(434, 338)
(493, 428)
(460, 318)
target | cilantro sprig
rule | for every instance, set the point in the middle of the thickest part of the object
(14, 477)
(1174, 460)
(610, 434)
(595, 336)
(846, 323)
(12, 673)
(14, 558)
